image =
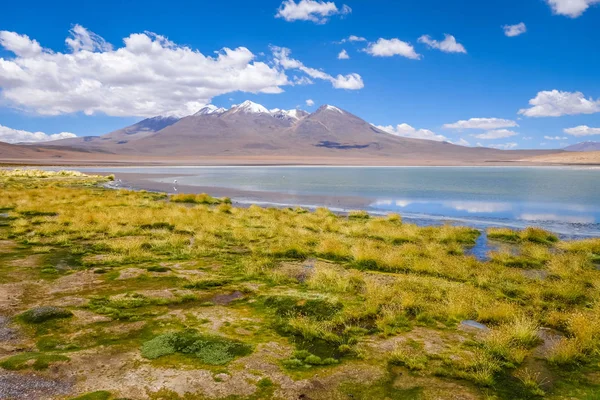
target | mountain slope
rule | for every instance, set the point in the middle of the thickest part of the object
(584, 146)
(122, 136)
(251, 131)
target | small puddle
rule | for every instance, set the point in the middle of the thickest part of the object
(474, 324)
(224, 299)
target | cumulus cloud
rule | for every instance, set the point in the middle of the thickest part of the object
(148, 76)
(496, 134)
(10, 135)
(555, 138)
(554, 103)
(282, 58)
(310, 10)
(482, 123)
(515, 30)
(582, 130)
(502, 146)
(21, 45)
(406, 130)
(571, 8)
(392, 47)
(448, 45)
(343, 55)
(310, 102)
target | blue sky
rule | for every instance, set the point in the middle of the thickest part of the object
(392, 78)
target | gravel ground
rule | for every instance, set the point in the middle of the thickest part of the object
(7, 334)
(28, 386)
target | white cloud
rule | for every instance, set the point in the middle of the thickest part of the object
(148, 76)
(582, 130)
(448, 45)
(555, 104)
(406, 130)
(310, 10)
(571, 8)
(10, 135)
(515, 30)
(21, 45)
(482, 123)
(82, 39)
(555, 138)
(502, 146)
(343, 55)
(496, 134)
(353, 38)
(310, 102)
(392, 47)
(351, 81)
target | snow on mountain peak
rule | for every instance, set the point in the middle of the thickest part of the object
(250, 107)
(333, 108)
(285, 114)
(210, 109)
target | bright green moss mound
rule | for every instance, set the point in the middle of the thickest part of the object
(38, 315)
(212, 350)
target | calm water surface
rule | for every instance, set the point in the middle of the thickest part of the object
(565, 200)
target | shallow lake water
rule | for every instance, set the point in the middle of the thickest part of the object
(563, 199)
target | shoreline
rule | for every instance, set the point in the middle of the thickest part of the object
(338, 204)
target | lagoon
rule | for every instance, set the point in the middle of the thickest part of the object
(563, 199)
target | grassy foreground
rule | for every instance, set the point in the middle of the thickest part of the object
(112, 294)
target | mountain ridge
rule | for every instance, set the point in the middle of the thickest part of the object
(250, 130)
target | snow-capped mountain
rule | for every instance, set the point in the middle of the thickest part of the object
(210, 109)
(249, 107)
(251, 130)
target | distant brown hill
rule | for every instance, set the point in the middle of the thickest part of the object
(249, 133)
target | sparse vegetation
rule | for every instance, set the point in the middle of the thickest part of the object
(92, 273)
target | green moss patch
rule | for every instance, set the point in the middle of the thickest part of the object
(37, 361)
(212, 350)
(98, 395)
(38, 315)
(317, 308)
